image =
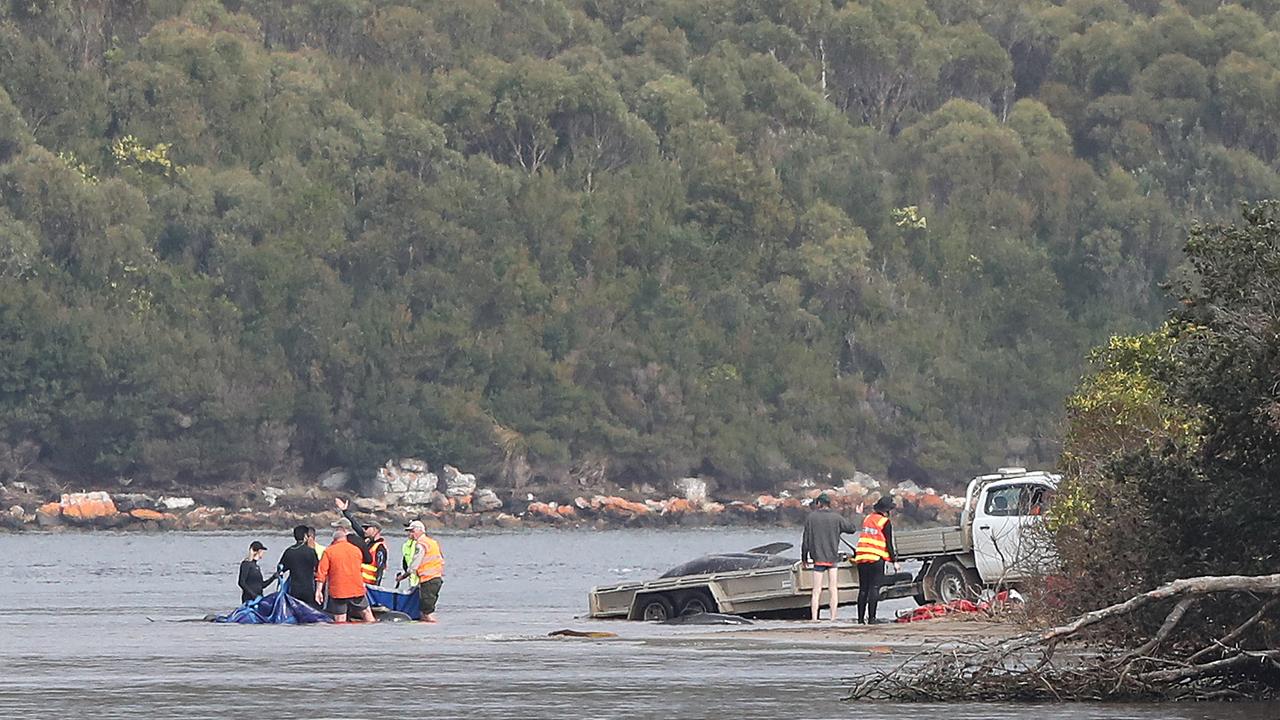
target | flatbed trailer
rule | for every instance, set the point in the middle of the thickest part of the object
(994, 544)
(778, 591)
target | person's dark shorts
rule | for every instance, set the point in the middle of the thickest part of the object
(428, 594)
(821, 567)
(348, 606)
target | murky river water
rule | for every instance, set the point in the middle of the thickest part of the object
(88, 629)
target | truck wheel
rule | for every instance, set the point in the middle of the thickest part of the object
(697, 604)
(655, 609)
(954, 581)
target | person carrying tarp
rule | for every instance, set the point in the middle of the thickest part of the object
(300, 561)
(428, 565)
(251, 582)
(374, 545)
(874, 549)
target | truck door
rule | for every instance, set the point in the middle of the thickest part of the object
(1005, 547)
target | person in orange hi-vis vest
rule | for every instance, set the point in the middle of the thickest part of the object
(428, 566)
(874, 549)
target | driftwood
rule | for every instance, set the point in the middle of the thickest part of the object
(1174, 662)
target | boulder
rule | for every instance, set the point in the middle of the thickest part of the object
(127, 502)
(334, 479)
(677, 506)
(49, 515)
(370, 505)
(486, 500)
(413, 465)
(621, 508)
(415, 497)
(271, 495)
(152, 515)
(177, 503)
(457, 483)
(768, 502)
(440, 503)
(87, 506)
(16, 511)
(545, 511)
(693, 490)
(508, 521)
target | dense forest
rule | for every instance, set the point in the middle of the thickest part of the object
(597, 239)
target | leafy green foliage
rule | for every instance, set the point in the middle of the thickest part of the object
(1173, 445)
(748, 239)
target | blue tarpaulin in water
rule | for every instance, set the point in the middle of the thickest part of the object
(405, 602)
(277, 608)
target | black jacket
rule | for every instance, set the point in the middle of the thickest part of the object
(300, 561)
(251, 582)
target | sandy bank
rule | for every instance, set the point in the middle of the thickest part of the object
(886, 637)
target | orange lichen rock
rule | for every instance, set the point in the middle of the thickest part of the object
(567, 511)
(147, 514)
(87, 506)
(545, 510)
(677, 506)
(619, 507)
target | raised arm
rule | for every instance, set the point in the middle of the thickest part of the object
(344, 507)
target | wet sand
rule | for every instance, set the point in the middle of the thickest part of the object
(886, 637)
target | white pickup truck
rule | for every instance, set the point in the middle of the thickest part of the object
(997, 542)
(1000, 539)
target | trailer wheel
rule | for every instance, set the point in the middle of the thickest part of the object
(696, 604)
(954, 581)
(656, 608)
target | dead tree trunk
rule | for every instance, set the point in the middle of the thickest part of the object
(1179, 659)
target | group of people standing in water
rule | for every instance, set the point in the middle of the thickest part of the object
(333, 578)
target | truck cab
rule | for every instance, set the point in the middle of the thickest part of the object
(999, 542)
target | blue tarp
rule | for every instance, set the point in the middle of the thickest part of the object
(277, 608)
(405, 602)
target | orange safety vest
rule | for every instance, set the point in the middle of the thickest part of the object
(433, 565)
(871, 546)
(369, 571)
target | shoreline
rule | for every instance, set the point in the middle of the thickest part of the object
(266, 508)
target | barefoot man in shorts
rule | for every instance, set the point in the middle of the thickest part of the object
(340, 569)
(821, 546)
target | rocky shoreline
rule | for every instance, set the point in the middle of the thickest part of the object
(406, 490)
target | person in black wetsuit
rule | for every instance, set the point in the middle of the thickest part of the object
(300, 561)
(251, 582)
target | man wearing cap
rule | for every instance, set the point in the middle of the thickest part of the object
(251, 582)
(373, 543)
(428, 566)
(340, 570)
(875, 548)
(821, 546)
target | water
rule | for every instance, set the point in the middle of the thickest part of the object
(88, 628)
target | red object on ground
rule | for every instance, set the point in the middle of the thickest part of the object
(937, 610)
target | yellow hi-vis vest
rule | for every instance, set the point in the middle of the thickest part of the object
(433, 563)
(406, 551)
(369, 570)
(871, 545)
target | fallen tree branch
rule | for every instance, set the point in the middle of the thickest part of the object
(1023, 668)
(1206, 585)
(1209, 668)
(1236, 634)
(1166, 628)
